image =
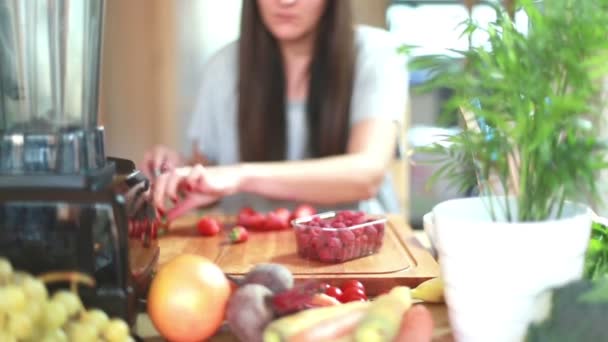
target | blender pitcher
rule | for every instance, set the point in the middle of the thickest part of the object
(49, 86)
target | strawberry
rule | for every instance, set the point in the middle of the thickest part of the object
(208, 226)
(303, 210)
(238, 234)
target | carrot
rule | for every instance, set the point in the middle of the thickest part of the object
(416, 325)
(331, 329)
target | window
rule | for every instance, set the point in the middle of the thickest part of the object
(433, 25)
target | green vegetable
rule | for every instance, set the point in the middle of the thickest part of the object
(579, 312)
(596, 259)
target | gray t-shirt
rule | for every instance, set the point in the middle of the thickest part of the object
(380, 91)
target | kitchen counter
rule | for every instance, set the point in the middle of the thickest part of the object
(146, 330)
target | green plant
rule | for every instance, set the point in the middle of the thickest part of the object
(596, 258)
(534, 97)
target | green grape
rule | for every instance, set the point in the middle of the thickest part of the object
(127, 339)
(116, 331)
(82, 332)
(54, 315)
(57, 335)
(96, 317)
(5, 336)
(12, 299)
(20, 325)
(33, 310)
(6, 269)
(36, 335)
(35, 289)
(19, 277)
(70, 301)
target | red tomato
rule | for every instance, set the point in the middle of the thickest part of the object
(303, 210)
(208, 226)
(335, 292)
(352, 294)
(352, 283)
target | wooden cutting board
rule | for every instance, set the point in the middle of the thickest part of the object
(401, 261)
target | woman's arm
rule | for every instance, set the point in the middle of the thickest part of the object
(330, 180)
(354, 176)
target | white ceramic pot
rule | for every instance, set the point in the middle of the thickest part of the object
(494, 271)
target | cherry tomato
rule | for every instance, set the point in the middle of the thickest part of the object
(352, 294)
(335, 292)
(352, 283)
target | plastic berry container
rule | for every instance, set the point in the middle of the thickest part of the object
(339, 236)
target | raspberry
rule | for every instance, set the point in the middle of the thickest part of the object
(328, 234)
(347, 237)
(325, 255)
(303, 239)
(334, 243)
(316, 242)
(371, 233)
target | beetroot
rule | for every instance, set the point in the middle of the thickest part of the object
(277, 278)
(248, 312)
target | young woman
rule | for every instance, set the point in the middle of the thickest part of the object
(304, 108)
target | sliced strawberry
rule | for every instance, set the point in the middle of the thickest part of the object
(283, 213)
(278, 219)
(244, 214)
(251, 219)
(303, 210)
(275, 222)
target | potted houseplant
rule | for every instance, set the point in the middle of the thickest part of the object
(528, 100)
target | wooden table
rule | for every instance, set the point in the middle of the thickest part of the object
(414, 265)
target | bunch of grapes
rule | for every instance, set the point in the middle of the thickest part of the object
(28, 313)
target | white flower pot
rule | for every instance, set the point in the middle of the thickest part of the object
(495, 270)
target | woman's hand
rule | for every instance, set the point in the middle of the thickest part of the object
(159, 160)
(197, 185)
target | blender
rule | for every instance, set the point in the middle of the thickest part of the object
(65, 205)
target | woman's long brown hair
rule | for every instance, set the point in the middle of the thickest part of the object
(262, 92)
